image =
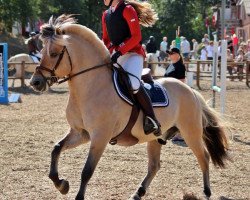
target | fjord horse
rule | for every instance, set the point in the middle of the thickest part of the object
(96, 114)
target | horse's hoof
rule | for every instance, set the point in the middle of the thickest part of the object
(64, 186)
(207, 192)
(161, 141)
(79, 197)
(135, 197)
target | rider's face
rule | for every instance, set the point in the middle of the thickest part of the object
(106, 2)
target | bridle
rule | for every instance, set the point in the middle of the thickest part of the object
(53, 78)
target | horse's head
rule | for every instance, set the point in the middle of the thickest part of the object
(66, 47)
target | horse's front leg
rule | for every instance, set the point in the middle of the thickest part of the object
(98, 143)
(154, 150)
(71, 140)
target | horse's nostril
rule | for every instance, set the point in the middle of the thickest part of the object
(36, 83)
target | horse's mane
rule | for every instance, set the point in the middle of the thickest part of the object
(57, 30)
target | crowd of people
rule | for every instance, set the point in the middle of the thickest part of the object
(237, 52)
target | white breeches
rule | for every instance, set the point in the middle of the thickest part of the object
(132, 63)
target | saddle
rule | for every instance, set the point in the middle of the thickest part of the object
(157, 93)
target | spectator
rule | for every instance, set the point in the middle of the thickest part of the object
(205, 39)
(173, 45)
(151, 52)
(176, 69)
(185, 48)
(230, 67)
(195, 48)
(239, 67)
(203, 56)
(151, 45)
(210, 52)
(229, 43)
(163, 49)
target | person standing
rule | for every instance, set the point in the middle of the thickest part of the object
(151, 45)
(122, 36)
(195, 48)
(163, 49)
(205, 39)
(185, 48)
(210, 52)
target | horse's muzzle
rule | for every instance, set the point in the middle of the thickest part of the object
(38, 83)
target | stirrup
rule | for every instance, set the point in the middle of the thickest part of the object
(151, 126)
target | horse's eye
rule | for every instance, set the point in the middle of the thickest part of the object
(53, 55)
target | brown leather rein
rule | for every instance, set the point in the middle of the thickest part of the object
(54, 79)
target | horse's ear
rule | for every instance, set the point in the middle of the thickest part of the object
(58, 31)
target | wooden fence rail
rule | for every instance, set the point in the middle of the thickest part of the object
(23, 64)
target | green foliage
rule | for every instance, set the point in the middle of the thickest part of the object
(187, 14)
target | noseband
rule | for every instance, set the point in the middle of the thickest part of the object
(54, 79)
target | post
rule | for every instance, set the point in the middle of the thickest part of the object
(3, 73)
(223, 6)
(248, 73)
(22, 74)
(198, 74)
(223, 76)
(214, 70)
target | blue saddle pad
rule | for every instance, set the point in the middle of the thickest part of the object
(157, 93)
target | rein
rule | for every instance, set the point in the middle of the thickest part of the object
(54, 79)
(81, 72)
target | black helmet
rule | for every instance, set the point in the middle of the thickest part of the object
(32, 34)
(152, 38)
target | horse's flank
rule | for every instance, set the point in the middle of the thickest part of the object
(20, 58)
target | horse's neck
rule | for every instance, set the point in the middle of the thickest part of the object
(91, 85)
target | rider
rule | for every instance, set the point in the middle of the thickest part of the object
(122, 36)
(32, 45)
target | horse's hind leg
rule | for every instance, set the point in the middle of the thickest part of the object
(154, 150)
(71, 140)
(192, 135)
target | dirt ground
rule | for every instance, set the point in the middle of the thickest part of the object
(31, 128)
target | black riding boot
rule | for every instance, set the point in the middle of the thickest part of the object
(151, 124)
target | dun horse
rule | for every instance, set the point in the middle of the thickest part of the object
(96, 114)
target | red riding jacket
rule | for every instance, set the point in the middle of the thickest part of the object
(130, 44)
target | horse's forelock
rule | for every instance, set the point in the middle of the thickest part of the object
(52, 30)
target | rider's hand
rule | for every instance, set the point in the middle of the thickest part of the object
(115, 56)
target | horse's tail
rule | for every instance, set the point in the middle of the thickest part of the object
(146, 14)
(213, 133)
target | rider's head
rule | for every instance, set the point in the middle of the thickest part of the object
(110, 2)
(32, 34)
(151, 38)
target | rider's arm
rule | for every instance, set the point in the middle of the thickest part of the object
(131, 17)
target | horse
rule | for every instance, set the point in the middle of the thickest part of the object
(155, 69)
(18, 59)
(96, 114)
